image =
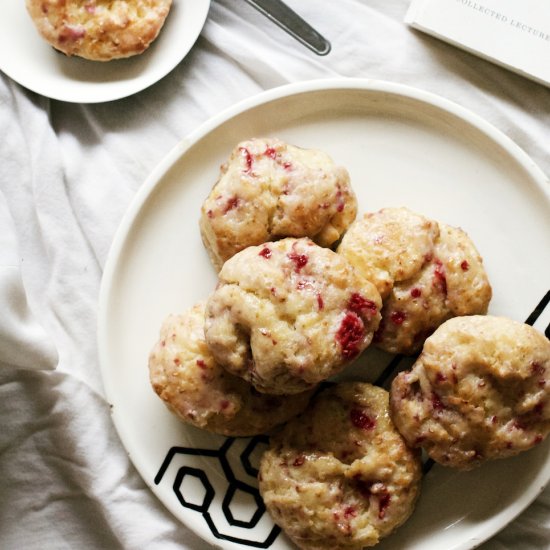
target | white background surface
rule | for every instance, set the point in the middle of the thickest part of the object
(68, 173)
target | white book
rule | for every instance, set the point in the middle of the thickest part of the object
(512, 33)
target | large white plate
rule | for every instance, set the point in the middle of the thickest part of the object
(29, 60)
(402, 147)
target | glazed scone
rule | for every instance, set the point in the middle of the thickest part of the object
(425, 271)
(340, 477)
(99, 30)
(287, 314)
(479, 390)
(192, 385)
(267, 190)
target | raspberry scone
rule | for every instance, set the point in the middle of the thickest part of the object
(479, 390)
(268, 190)
(287, 314)
(340, 476)
(192, 385)
(425, 271)
(99, 30)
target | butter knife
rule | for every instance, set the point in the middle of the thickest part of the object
(286, 18)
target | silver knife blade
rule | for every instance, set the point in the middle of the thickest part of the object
(286, 18)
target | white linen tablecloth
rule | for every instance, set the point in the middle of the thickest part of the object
(67, 174)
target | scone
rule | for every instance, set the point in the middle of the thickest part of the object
(340, 477)
(287, 314)
(479, 390)
(268, 190)
(192, 385)
(425, 271)
(99, 30)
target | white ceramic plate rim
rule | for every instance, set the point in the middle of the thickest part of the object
(24, 55)
(344, 84)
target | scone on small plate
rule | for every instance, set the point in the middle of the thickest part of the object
(425, 271)
(479, 390)
(340, 476)
(288, 314)
(195, 388)
(99, 30)
(268, 190)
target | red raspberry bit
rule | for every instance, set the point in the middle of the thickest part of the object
(360, 419)
(287, 166)
(358, 304)
(350, 512)
(416, 292)
(439, 276)
(231, 203)
(271, 153)
(398, 317)
(518, 425)
(71, 33)
(300, 260)
(320, 302)
(436, 402)
(265, 252)
(339, 200)
(494, 419)
(163, 343)
(465, 265)
(273, 291)
(248, 159)
(439, 378)
(537, 439)
(201, 364)
(299, 460)
(350, 335)
(210, 214)
(177, 361)
(384, 500)
(224, 403)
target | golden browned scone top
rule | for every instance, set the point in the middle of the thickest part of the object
(99, 30)
(269, 189)
(193, 386)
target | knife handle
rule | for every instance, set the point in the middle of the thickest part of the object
(286, 18)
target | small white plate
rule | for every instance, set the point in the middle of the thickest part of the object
(402, 147)
(32, 62)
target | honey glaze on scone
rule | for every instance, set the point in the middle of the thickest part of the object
(340, 476)
(99, 30)
(425, 271)
(288, 314)
(195, 388)
(479, 390)
(268, 190)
